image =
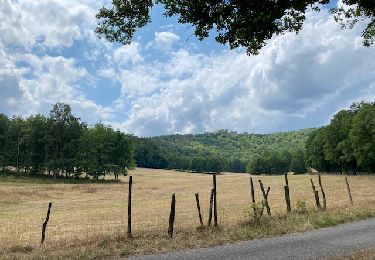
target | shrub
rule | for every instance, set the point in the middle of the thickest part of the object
(301, 207)
(256, 211)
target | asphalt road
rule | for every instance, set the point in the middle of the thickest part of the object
(317, 244)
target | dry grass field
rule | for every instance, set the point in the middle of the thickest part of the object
(85, 212)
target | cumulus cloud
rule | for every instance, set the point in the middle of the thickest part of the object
(51, 23)
(296, 81)
(295, 77)
(128, 53)
(33, 75)
(164, 40)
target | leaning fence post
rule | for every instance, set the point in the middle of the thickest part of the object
(199, 209)
(287, 195)
(349, 192)
(172, 215)
(316, 195)
(210, 209)
(265, 197)
(323, 193)
(252, 193)
(215, 199)
(44, 227)
(130, 207)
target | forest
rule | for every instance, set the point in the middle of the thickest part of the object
(225, 150)
(347, 144)
(61, 145)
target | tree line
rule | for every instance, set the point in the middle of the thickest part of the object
(278, 163)
(225, 150)
(62, 145)
(347, 144)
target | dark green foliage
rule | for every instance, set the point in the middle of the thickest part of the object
(297, 162)
(104, 151)
(218, 151)
(347, 143)
(270, 163)
(4, 125)
(359, 10)
(63, 139)
(63, 145)
(237, 165)
(238, 23)
(362, 137)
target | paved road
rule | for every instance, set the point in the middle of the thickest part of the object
(317, 244)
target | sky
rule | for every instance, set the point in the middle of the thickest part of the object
(167, 82)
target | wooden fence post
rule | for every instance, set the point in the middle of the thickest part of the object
(287, 195)
(172, 215)
(252, 193)
(323, 193)
(44, 227)
(265, 197)
(210, 209)
(316, 195)
(199, 209)
(215, 199)
(349, 192)
(130, 207)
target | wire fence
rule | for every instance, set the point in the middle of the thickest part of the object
(83, 211)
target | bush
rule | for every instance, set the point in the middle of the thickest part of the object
(301, 207)
(256, 211)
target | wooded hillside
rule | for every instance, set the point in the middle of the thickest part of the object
(218, 151)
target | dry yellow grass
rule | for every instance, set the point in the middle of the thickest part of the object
(84, 211)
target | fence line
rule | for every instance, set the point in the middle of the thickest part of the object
(232, 207)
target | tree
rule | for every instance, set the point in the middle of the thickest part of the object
(63, 137)
(237, 165)
(359, 10)
(122, 153)
(103, 151)
(362, 136)
(238, 23)
(15, 143)
(34, 139)
(97, 145)
(297, 163)
(314, 150)
(4, 125)
(337, 148)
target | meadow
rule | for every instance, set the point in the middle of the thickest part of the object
(85, 215)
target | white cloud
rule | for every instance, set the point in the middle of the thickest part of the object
(165, 40)
(31, 78)
(128, 53)
(51, 23)
(296, 80)
(309, 75)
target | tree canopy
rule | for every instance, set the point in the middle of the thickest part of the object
(62, 144)
(237, 23)
(347, 143)
(225, 151)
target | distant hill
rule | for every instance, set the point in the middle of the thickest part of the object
(221, 147)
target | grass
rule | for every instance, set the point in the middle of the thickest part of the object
(89, 220)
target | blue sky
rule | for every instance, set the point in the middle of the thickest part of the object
(167, 81)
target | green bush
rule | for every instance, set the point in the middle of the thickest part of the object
(301, 207)
(256, 211)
